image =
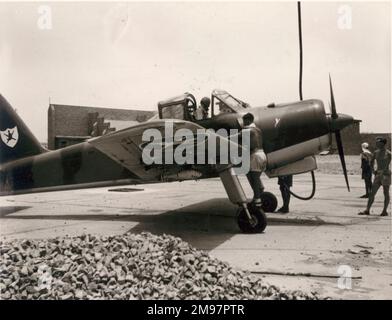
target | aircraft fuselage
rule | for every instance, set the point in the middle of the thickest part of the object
(290, 132)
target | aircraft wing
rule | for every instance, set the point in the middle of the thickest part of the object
(126, 146)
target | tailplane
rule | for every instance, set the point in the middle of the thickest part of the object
(17, 141)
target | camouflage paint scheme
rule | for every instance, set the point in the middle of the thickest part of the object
(291, 132)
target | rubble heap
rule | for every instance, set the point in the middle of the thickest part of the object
(129, 266)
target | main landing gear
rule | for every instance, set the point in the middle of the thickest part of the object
(251, 219)
(269, 203)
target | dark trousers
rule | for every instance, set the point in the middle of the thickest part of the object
(256, 184)
(285, 191)
(377, 183)
(368, 184)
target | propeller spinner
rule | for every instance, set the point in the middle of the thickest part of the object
(339, 121)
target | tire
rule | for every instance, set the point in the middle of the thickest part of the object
(259, 220)
(269, 202)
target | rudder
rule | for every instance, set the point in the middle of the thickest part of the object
(17, 141)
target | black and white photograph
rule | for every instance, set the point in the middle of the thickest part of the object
(211, 151)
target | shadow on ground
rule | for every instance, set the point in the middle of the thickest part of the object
(5, 211)
(206, 224)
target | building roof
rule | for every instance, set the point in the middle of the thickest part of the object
(107, 113)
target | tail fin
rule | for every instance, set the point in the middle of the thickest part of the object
(16, 141)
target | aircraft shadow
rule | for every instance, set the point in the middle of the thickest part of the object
(216, 215)
(205, 225)
(5, 211)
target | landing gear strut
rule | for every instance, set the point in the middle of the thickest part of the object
(251, 219)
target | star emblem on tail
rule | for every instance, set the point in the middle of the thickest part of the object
(10, 136)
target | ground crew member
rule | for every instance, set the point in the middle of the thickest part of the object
(258, 159)
(202, 111)
(382, 176)
(285, 182)
(366, 159)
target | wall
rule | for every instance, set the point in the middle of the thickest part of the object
(72, 124)
(370, 138)
(351, 139)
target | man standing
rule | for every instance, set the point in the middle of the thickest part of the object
(285, 182)
(366, 160)
(258, 159)
(382, 156)
(202, 110)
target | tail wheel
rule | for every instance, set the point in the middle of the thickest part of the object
(258, 221)
(269, 203)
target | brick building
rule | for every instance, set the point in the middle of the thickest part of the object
(351, 139)
(68, 124)
(370, 138)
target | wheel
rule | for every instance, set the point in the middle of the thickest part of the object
(269, 203)
(258, 223)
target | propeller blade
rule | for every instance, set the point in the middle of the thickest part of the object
(334, 114)
(338, 138)
(341, 156)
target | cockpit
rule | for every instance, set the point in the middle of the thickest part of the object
(183, 107)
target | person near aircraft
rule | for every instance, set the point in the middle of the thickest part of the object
(366, 159)
(382, 175)
(285, 183)
(202, 111)
(258, 159)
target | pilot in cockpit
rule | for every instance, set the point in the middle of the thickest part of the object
(201, 112)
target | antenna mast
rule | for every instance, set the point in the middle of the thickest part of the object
(300, 49)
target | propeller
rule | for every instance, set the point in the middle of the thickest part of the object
(332, 105)
(338, 122)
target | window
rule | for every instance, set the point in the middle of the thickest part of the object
(173, 112)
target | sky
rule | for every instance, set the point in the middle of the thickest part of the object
(132, 55)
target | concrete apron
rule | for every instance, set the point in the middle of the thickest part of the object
(305, 249)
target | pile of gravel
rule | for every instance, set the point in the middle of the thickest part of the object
(129, 266)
